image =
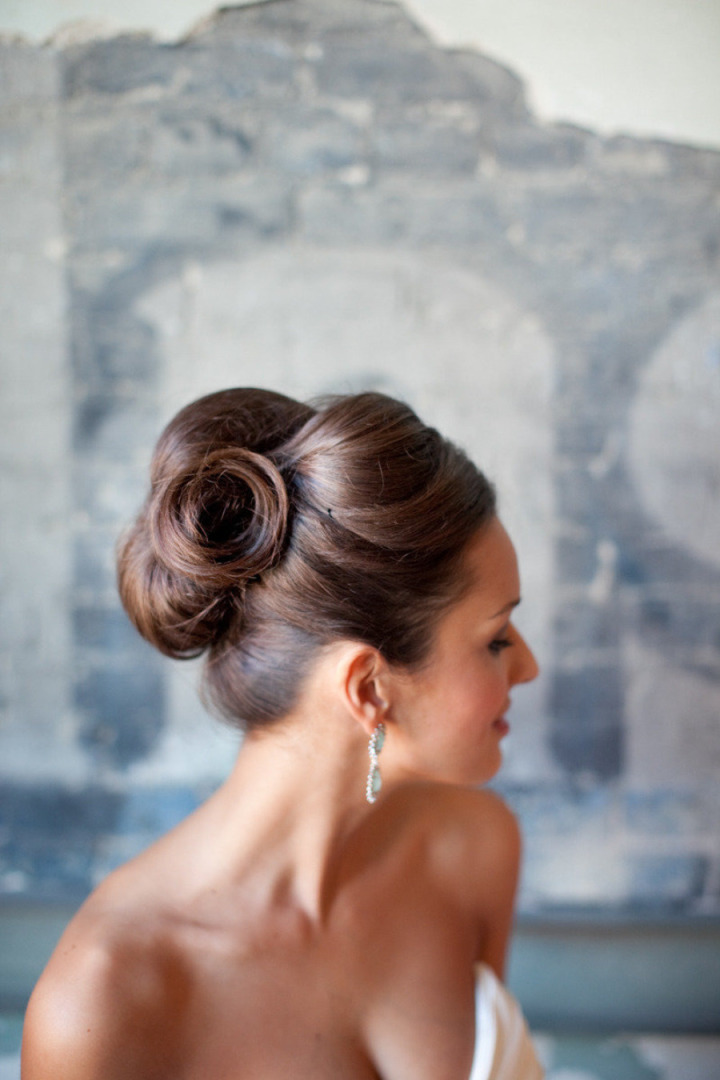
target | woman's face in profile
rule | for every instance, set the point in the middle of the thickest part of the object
(453, 709)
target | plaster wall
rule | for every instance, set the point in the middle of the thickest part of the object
(313, 195)
(649, 68)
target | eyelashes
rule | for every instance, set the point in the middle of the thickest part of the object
(497, 646)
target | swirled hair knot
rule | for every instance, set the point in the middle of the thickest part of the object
(224, 524)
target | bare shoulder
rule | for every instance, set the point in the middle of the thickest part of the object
(486, 832)
(472, 848)
(490, 828)
(106, 1004)
(472, 828)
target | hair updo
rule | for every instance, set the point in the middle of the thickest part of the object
(273, 528)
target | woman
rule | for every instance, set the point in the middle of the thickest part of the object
(324, 914)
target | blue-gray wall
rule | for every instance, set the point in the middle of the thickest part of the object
(309, 195)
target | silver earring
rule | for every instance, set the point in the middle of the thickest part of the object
(374, 780)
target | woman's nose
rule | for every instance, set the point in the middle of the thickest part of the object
(525, 668)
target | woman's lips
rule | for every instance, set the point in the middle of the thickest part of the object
(501, 725)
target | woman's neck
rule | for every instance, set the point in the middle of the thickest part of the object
(281, 822)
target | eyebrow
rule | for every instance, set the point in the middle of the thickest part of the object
(508, 607)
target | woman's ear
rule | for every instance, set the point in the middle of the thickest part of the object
(364, 685)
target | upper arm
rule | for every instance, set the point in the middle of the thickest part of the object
(84, 1022)
(70, 1030)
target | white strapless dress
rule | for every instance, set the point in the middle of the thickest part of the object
(503, 1047)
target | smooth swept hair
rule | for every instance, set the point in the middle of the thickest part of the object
(273, 528)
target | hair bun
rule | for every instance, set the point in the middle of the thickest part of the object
(223, 523)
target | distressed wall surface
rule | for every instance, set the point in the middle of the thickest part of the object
(308, 195)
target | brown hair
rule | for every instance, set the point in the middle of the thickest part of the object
(273, 528)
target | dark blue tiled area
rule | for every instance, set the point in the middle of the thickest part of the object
(49, 837)
(54, 841)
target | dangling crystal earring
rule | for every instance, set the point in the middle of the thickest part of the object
(374, 780)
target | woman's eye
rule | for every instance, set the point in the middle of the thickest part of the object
(499, 644)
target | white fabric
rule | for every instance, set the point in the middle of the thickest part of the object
(503, 1047)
